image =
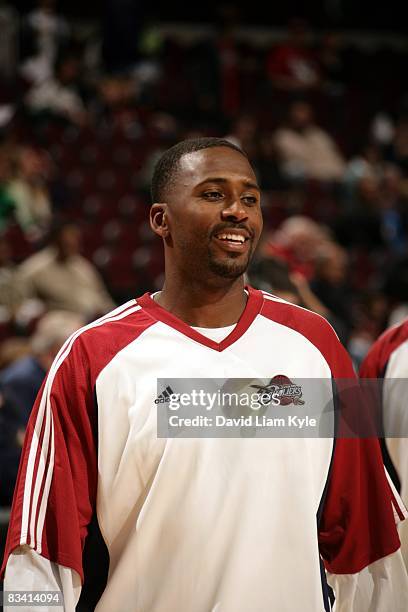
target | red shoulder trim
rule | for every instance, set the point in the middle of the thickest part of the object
(313, 327)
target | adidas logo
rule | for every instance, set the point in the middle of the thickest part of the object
(164, 396)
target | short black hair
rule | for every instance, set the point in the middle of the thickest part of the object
(168, 164)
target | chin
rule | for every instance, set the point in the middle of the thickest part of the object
(228, 269)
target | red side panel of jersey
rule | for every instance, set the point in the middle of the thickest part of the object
(357, 524)
(55, 494)
(379, 354)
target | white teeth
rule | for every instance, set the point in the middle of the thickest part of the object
(233, 237)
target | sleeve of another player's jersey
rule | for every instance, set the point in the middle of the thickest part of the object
(358, 537)
(56, 486)
(358, 522)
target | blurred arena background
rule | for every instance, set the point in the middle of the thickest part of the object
(91, 96)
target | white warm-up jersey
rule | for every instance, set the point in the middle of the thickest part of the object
(388, 359)
(197, 524)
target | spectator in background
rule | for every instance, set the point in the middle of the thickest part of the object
(13, 348)
(307, 151)
(296, 241)
(244, 133)
(22, 379)
(8, 289)
(331, 64)
(19, 385)
(397, 151)
(292, 66)
(331, 287)
(63, 279)
(115, 105)
(377, 221)
(267, 165)
(29, 192)
(58, 96)
(272, 275)
(394, 212)
(316, 268)
(369, 162)
(43, 32)
(370, 320)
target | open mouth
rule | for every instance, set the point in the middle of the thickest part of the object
(232, 240)
(232, 237)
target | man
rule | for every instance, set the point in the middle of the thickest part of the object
(388, 360)
(305, 150)
(63, 279)
(199, 523)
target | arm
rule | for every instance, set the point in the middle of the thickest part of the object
(28, 571)
(56, 486)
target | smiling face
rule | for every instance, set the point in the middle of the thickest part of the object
(212, 218)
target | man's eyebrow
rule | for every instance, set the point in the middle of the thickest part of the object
(218, 179)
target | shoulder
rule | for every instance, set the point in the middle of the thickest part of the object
(117, 327)
(313, 327)
(92, 347)
(38, 261)
(383, 348)
(82, 262)
(296, 317)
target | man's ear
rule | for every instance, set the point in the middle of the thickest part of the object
(158, 219)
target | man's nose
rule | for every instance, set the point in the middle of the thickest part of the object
(235, 210)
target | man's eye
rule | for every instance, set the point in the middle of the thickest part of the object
(251, 200)
(213, 195)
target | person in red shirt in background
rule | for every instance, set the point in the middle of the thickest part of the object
(292, 65)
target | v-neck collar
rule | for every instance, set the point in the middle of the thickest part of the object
(252, 308)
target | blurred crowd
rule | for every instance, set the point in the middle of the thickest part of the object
(325, 124)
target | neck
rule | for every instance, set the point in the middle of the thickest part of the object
(61, 255)
(202, 305)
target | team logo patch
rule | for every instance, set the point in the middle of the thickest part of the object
(282, 387)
